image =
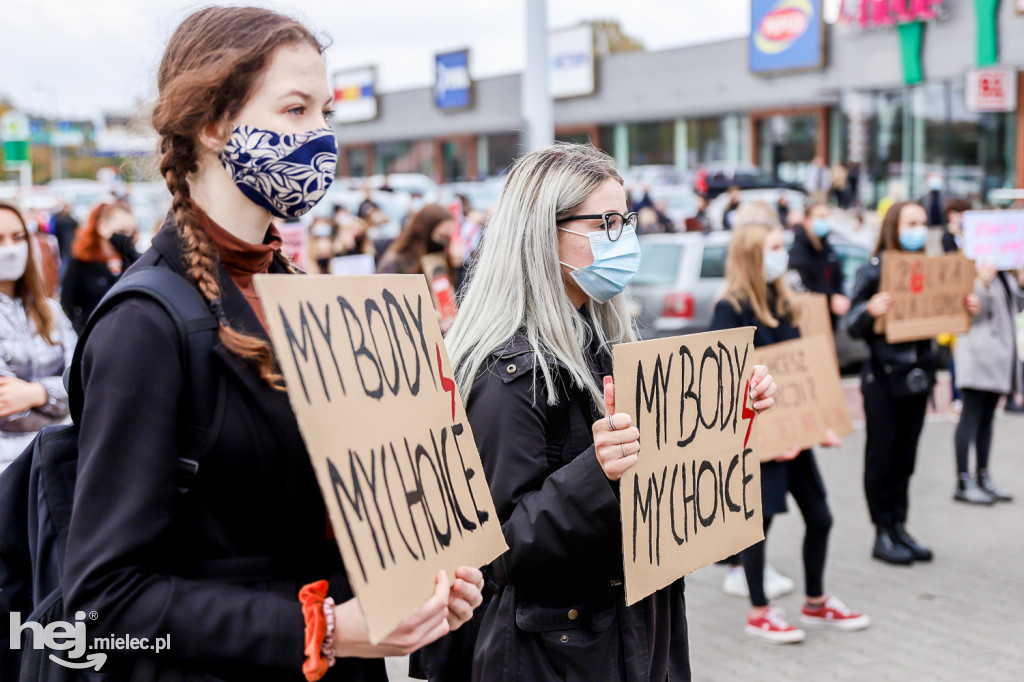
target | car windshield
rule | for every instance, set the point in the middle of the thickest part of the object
(659, 264)
(713, 264)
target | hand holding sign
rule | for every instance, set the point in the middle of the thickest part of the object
(616, 440)
(466, 595)
(763, 389)
(879, 304)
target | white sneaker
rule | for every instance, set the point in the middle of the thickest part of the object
(776, 584)
(735, 583)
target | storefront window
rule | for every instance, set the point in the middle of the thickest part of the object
(357, 162)
(404, 157)
(502, 150)
(652, 144)
(787, 146)
(705, 141)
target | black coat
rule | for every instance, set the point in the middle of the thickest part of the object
(85, 282)
(560, 611)
(774, 475)
(820, 271)
(135, 548)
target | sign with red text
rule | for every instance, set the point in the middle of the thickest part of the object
(928, 295)
(371, 386)
(991, 89)
(694, 495)
(995, 237)
(295, 243)
(809, 400)
(880, 13)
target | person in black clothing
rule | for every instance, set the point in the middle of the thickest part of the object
(531, 347)
(816, 263)
(756, 295)
(895, 382)
(219, 571)
(952, 234)
(64, 226)
(934, 200)
(103, 248)
(729, 214)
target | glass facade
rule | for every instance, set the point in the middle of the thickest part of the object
(502, 150)
(787, 145)
(705, 141)
(652, 143)
(404, 157)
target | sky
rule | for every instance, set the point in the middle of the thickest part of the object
(80, 58)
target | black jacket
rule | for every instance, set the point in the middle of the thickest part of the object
(774, 475)
(885, 359)
(86, 282)
(560, 611)
(820, 271)
(218, 570)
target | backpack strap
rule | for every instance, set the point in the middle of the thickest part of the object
(202, 401)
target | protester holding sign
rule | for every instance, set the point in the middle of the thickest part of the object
(816, 263)
(895, 382)
(531, 346)
(218, 569)
(756, 295)
(988, 368)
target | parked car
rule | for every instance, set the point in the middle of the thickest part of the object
(681, 276)
(769, 195)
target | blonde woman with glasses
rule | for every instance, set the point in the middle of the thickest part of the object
(532, 354)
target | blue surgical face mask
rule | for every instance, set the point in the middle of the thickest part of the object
(821, 227)
(935, 183)
(287, 174)
(914, 238)
(615, 264)
(775, 264)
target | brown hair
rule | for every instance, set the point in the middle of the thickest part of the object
(889, 235)
(88, 244)
(414, 241)
(30, 287)
(955, 205)
(211, 66)
(745, 283)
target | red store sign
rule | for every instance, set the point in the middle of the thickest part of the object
(876, 13)
(991, 89)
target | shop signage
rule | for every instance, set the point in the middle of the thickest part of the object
(991, 89)
(355, 95)
(786, 35)
(571, 62)
(876, 13)
(452, 84)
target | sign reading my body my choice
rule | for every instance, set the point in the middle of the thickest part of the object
(694, 495)
(370, 382)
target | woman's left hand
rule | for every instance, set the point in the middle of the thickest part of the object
(465, 596)
(832, 440)
(972, 304)
(17, 395)
(762, 388)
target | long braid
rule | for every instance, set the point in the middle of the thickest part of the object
(177, 161)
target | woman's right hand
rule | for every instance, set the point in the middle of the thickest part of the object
(428, 624)
(879, 304)
(616, 440)
(986, 273)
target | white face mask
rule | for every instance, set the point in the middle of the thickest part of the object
(12, 261)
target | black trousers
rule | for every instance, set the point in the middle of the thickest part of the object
(806, 488)
(893, 428)
(979, 409)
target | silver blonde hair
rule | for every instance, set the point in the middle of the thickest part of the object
(517, 282)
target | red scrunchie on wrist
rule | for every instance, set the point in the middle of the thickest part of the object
(312, 598)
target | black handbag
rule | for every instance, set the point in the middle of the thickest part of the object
(905, 369)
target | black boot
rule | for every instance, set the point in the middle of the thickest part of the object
(972, 493)
(919, 552)
(985, 483)
(889, 550)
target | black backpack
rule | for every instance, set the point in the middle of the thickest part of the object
(37, 489)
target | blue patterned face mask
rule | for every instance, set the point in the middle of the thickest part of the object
(287, 174)
(614, 267)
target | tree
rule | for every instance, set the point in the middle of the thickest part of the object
(610, 38)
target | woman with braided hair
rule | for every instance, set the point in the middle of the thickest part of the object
(241, 114)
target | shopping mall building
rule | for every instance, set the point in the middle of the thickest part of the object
(846, 98)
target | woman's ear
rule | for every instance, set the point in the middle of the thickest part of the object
(214, 136)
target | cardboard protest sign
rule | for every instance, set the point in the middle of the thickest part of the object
(995, 237)
(928, 295)
(370, 382)
(809, 400)
(694, 496)
(816, 318)
(435, 267)
(295, 243)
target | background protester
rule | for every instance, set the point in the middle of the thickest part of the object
(36, 342)
(819, 180)
(816, 263)
(934, 199)
(530, 348)
(219, 570)
(729, 215)
(895, 382)
(952, 234)
(104, 247)
(756, 295)
(987, 369)
(63, 225)
(429, 230)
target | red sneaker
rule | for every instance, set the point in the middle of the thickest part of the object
(772, 627)
(833, 614)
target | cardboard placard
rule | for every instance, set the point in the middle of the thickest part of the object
(928, 295)
(370, 382)
(816, 318)
(435, 267)
(694, 496)
(809, 400)
(995, 237)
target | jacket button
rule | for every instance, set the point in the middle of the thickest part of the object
(573, 614)
(511, 369)
(565, 638)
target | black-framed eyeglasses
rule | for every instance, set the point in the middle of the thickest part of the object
(614, 222)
